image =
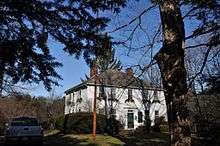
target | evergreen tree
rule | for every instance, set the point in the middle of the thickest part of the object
(26, 24)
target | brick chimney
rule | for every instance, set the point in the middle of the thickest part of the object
(129, 72)
(93, 69)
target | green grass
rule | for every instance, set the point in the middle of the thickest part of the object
(58, 139)
(147, 139)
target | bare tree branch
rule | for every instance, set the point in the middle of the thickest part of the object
(134, 19)
(202, 67)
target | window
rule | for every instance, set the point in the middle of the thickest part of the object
(129, 94)
(156, 114)
(70, 103)
(130, 99)
(155, 94)
(145, 93)
(101, 91)
(113, 92)
(147, 112)
(145, 96)
(79, 94)
(140, 117)
(102, 111)
(112, 111)
(156, 98)
(24, 121)
(113, 97)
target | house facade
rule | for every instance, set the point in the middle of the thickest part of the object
(120, 94)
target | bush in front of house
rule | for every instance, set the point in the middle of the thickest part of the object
(82, 123)
(59, 122)
(161, 125)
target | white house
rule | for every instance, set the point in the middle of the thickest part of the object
(119, 93)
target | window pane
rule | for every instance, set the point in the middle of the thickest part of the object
(113, 92)
(156, 114)
(23, 121)
(140, 117)
(129, 93)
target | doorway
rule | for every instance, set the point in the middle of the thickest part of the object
(130, 120)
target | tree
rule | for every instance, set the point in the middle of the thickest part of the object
(170, 59)
(25, 27)
(78, 31)
(213, 82)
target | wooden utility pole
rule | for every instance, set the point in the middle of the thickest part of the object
(94, 102)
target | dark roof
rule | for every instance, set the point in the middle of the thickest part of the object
(114, 78)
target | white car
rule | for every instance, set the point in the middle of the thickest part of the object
(23, 129)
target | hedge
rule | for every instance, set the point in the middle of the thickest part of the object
(82, 123)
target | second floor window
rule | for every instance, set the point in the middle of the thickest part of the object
(130, 98)
(101, 91)
(156, 98)
(129, 94)
(155, 94)
(145, 96)
(113, 92)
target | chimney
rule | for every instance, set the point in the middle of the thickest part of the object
(129, 72)
(93, 69)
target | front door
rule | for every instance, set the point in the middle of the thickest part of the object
(130, 120)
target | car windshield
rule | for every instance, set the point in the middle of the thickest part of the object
(24, 122)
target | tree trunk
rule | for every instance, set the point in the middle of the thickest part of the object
(2, 68)
(170, 59)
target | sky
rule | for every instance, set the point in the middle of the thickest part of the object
(74, 69)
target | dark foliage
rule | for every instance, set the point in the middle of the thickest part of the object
(213, 82)
(160, 125)
(82, 123)
(208, 14)
(24, 29)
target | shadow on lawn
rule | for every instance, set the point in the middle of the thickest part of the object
(147, 139)
(62, 140)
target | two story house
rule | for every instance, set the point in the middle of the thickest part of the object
(119, 93)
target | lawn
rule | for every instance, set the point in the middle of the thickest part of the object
(147, 139)
(58, 139)
(55, 138)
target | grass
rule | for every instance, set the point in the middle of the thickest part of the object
(147, 139)
(58, 139)
(54, 138)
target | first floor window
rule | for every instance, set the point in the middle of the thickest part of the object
(112, 111)
(140, 117)
(156, 114)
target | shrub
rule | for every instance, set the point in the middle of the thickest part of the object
(82, 123)
(59, 122)
(161, 125)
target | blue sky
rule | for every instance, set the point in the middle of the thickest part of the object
(74, 69)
